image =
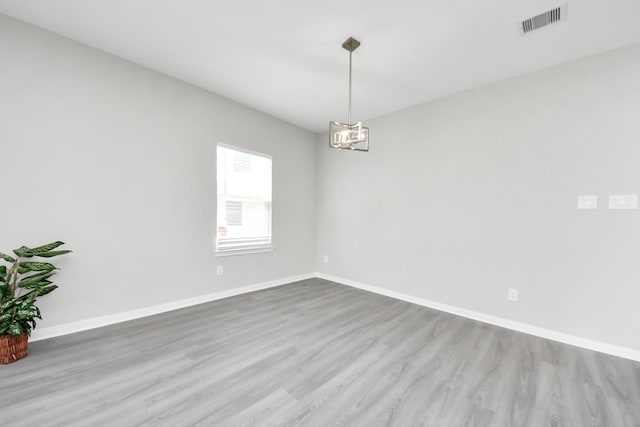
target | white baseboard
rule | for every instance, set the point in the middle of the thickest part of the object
(627, 353)
(96, 322)
(110, 319)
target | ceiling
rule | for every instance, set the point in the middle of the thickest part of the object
(283, 57)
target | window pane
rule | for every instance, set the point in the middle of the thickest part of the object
(244, 199)
(241, 161)
(233, 212)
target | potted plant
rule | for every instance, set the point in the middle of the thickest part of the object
(21, 283)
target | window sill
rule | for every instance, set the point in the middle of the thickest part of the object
(246, 250)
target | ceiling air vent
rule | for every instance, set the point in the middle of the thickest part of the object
(550, 17)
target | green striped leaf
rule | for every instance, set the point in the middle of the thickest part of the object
(26, 304)
(26, 313)
(7, 257)
(46, 248)
(21, 251)
(5, 316)
(41, 249)
(51, 253)
(28, 297)
(35, 266)
(8, 304)
(15, 329)
(43, 291)
(36, 285)
(29, 281)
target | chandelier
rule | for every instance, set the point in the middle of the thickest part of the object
(350, 136)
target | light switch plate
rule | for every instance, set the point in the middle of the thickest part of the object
(588, 202)
(623, 201)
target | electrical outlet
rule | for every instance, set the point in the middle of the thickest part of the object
(220, 270)
(325, 259)
(588, 202)
(512, 295)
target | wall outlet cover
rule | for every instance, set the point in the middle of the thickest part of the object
(623, 201)
(588, 202)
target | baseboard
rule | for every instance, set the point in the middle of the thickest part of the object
(602, 347)
(96, 322)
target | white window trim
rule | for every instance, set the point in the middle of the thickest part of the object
(244, 150)
(246, 250)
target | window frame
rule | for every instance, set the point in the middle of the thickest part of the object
(247, 248)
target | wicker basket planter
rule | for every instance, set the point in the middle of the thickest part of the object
(13, 348)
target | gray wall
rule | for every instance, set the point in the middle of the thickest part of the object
(458, 200)
(119, 162)
(462, 198)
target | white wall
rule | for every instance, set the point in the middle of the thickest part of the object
(119, 162)
(462, 198)
(458, 199)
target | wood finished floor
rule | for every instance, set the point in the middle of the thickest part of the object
(314, 353)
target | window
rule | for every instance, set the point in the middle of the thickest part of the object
(244, 201)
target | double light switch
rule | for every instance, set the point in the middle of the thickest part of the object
(616, 201)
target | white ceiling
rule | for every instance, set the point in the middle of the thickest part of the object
(283, 57)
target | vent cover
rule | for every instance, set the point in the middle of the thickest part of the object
(550, 17)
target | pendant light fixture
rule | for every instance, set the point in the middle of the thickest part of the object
(350, 136)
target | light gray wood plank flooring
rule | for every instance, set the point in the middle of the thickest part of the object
(314, 353)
